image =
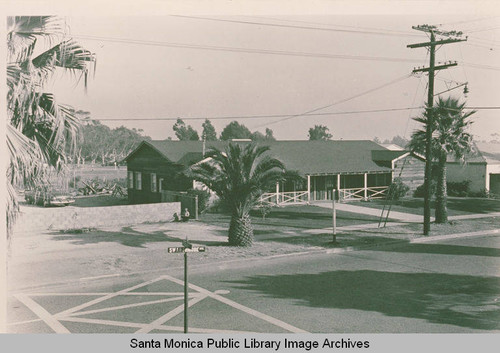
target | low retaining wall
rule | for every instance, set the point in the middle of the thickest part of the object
(60, 218)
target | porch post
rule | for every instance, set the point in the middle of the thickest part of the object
(366, 186)
(338, 184)
(277, 192)
(308, 188)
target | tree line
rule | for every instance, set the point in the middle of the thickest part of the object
(235, 130)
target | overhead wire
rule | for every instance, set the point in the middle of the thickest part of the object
(242, 50)
(340, 101)
(292, 26)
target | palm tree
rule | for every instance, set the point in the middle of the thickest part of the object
(239, 176)
(38, 128)
(450, 137)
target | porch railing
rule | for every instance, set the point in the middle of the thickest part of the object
(283, 198)
(298, 197)
(374, 192)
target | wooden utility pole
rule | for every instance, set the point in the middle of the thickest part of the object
(432, 30)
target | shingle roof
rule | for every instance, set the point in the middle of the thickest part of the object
(306, 157)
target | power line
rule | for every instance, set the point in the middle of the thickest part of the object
(340, 101)
(242, 50)
(292, 26)
(402, 33)
(231, 117)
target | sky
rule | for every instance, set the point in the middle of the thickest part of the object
(235, 66)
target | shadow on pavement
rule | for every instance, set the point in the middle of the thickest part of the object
(466, 301)
(126, 236)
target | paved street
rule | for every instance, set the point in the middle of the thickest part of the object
(440, 286)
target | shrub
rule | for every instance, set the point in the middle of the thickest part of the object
(461, 188)
(203, 198)
(419, 191)
(397, 189)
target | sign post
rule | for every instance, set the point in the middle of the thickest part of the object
(187, 247)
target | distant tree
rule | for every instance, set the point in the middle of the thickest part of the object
(185, 133)
(376, 140)
(209, 131)
(98, 141)
(269, 135)
(235, 130)
(398, 140)
(319, 132)
(259, 136)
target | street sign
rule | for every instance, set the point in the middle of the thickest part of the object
(188, 247)
(182, 249)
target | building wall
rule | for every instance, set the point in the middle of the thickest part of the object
(64, 218)
(475, 172)
(148, 161)
(412, 172)
(493, 178)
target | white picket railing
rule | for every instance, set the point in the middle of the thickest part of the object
(298, 197)
(283, 198)
(374, 192)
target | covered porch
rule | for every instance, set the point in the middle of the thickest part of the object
(320, 187)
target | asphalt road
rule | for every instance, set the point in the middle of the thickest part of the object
(444, 286)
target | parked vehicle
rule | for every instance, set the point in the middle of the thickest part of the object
(48, 198)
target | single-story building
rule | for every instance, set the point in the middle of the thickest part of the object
(359, 169)
(481, 168)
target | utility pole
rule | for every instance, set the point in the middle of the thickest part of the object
(432, 30)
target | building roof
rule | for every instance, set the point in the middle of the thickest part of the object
(387, 155)
(305, 157)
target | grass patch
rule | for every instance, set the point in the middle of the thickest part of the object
(456, 205)
(294, 217)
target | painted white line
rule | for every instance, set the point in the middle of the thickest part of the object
(99, 277)
(103, 322)
(169, 315)
(106, 297)
(238, 306)
(105, 293)
(111, 308)
(42, 314)
(24, 322)
(138, 325)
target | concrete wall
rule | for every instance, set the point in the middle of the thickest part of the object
(475, 172)
(61, 218)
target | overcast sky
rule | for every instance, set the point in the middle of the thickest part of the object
(160, 67)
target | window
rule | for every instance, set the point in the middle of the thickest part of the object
(160, 184)
(138, 180)
(130, 180)
(153, 182)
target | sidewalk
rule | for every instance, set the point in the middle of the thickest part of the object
(398, 216)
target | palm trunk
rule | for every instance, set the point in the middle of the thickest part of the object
(441, 212)
(240, 230)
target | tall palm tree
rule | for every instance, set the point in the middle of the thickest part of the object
(450, 137)
(38, 127)
(239, 176)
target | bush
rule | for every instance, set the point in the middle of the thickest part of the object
(460, 189)
(397, 189)
(419, 191)
(203, 198)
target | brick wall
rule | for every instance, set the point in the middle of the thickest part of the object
(59, 218)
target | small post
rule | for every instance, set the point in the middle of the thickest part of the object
(334, 215)
(185, 292)
(308, 189)
(196, 207)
